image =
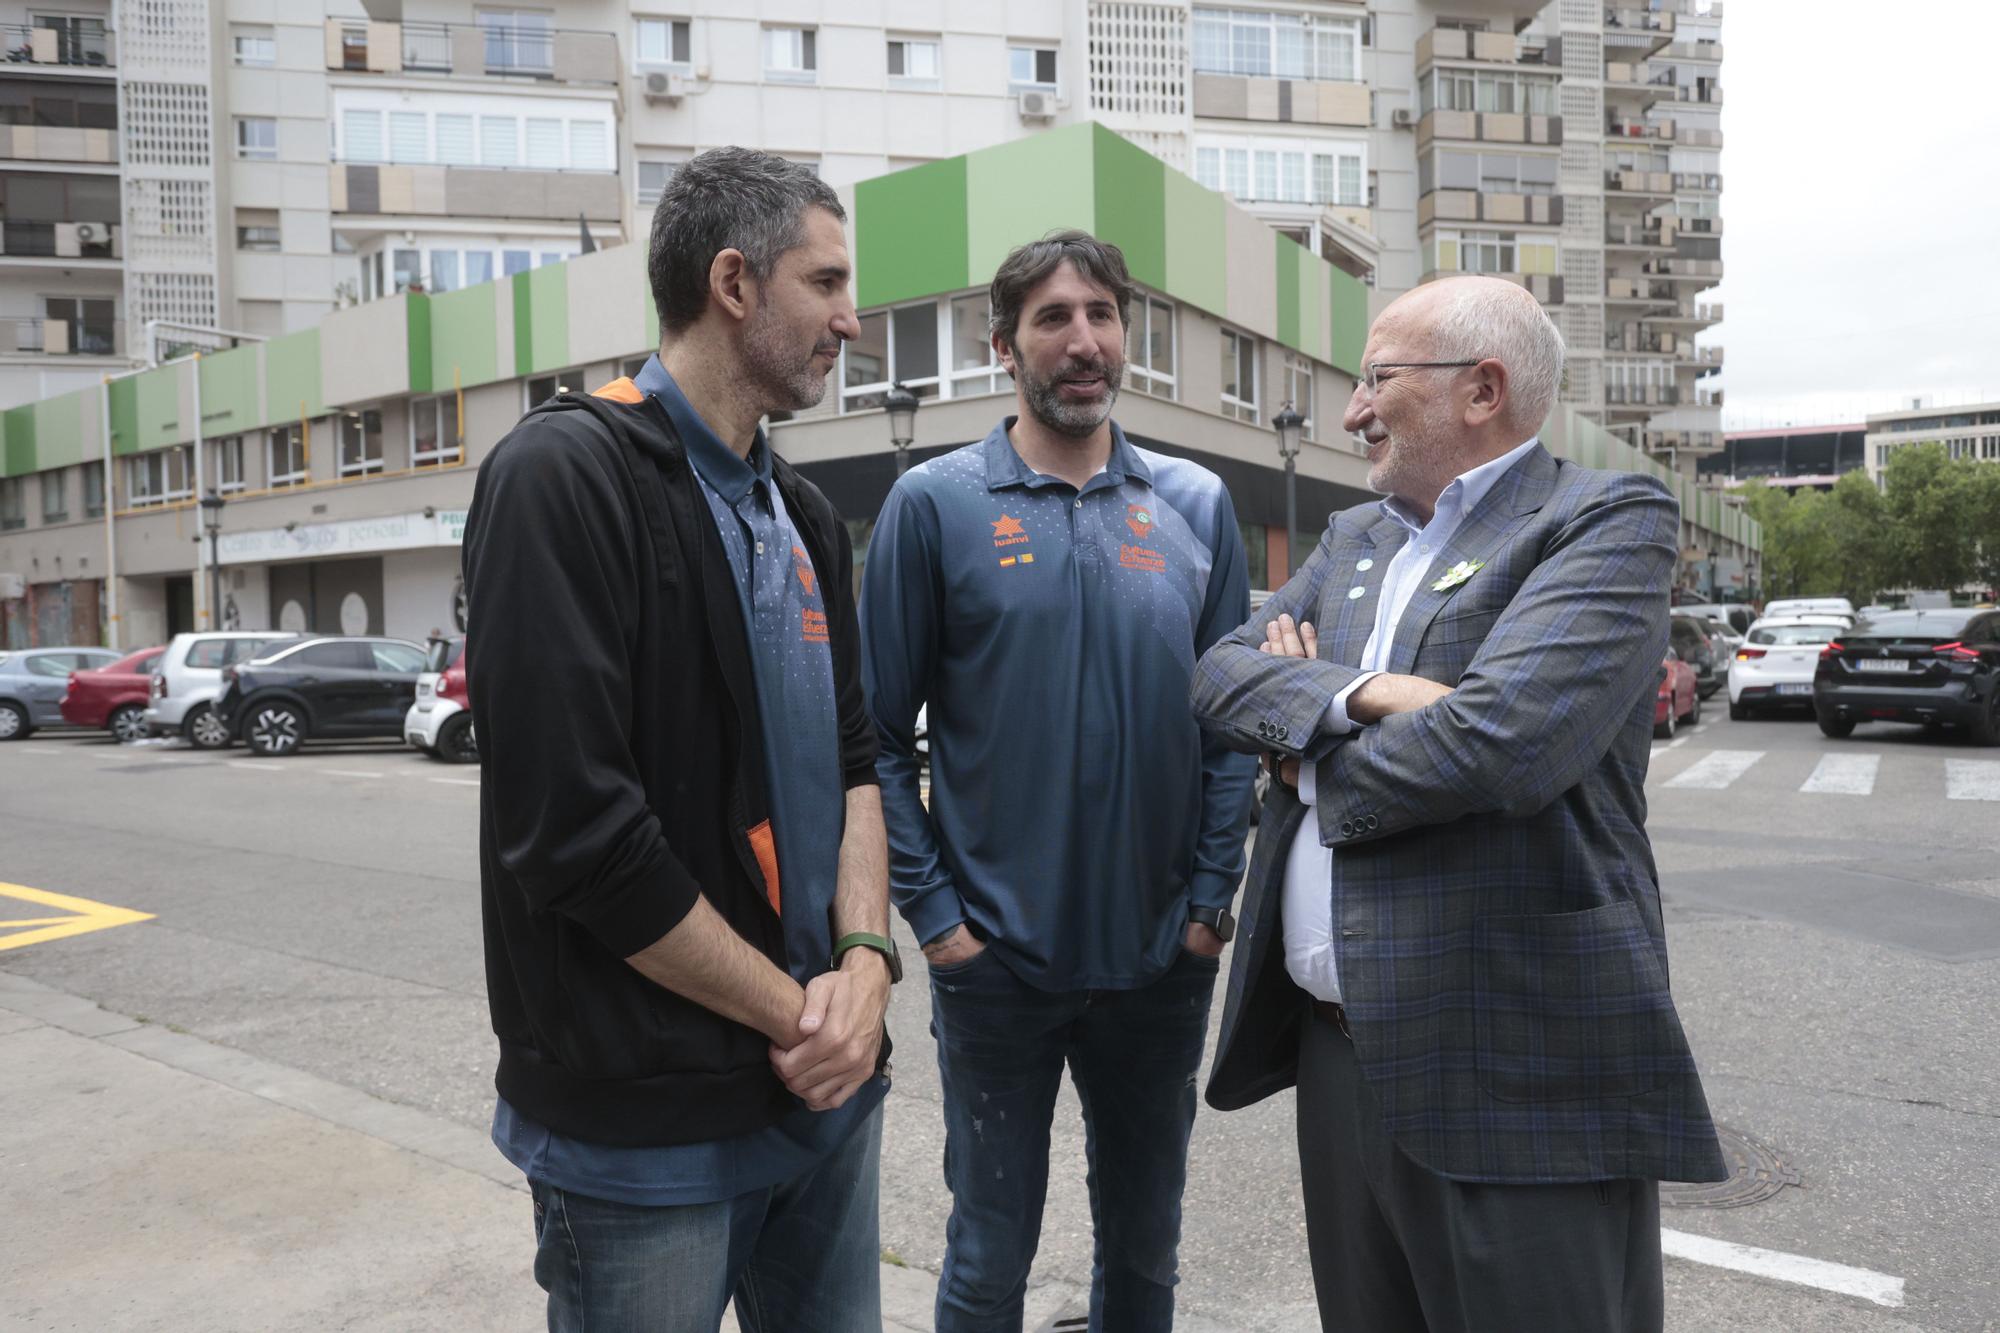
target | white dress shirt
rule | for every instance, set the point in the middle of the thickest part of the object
(1308, 901)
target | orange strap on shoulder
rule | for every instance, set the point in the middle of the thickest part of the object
(620, 390)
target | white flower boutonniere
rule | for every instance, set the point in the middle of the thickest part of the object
(1458, 574)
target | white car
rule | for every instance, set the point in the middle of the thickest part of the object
(188, 681)
(440, 721)
(1774, 664)
(1809, 606)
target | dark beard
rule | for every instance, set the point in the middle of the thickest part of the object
(1076, 420)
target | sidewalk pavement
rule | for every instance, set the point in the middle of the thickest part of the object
(158, 1181)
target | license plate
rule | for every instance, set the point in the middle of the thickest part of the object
(1883, 664)
(423, 689)
(1796, 687)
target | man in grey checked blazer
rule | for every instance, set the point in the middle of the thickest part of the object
(1452, 940)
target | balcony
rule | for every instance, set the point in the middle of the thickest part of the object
(1544, 287)
(70, 44)
(58, 143)
(1490, 48)
(61, 240)
(1640, 184)
(1687, 136)
(1634, 85)
(1489, 127)
(1617, 128)
(1294, 101)
(1703, 50)
(1523, 210)
(1707, 94)
(1637, 291)
(56, 337)
(475, 192)
(473, 51)
(1656, 234)
(1638, 32)
(1702, 182)
(1707, 271)
(1642, 395)
(1692, 316)
(1684, 441)
(1631, 339)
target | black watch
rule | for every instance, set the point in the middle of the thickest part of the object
(1216, 919)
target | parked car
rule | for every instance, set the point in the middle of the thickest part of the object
(1726, 639)
(32, 681)
(1940, 668)
(1775, 664)
(1680, 696)
(321, 689)
(1733, 614)
(440, 721)
(113, 697)
(189, 677)
(1809, 606)
(1689, 639)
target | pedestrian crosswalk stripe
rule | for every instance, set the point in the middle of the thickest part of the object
(1717, 769)
(1972, 779)
(1844, 775)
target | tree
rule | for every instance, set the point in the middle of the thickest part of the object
(1855, 539)
(1930, 502)
(1984, 507)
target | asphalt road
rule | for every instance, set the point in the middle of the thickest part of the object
(1834, 927)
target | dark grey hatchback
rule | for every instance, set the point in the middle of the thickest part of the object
(1940, 668)
(323, 689)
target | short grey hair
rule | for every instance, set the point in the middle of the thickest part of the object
(1478, 318)
(727, 199)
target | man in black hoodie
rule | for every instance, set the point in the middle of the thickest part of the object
(682, 857)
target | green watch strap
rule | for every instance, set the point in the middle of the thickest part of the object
(861, 939)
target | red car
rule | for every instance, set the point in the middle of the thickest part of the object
(1679, 698)
(113, 697)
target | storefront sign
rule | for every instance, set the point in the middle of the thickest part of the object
(359, 536)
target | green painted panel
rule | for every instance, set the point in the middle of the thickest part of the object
(1312, 308)
(20, 440)
(1196, 243)
(58, 435)
(159, 419)
(1021, 191)
(417, 312)
(1288, 256)
(1350, 322)
(124, 416)
(549, 331)
(229, 383)
(910, 234)
(462, 338)
(1130, 200)
(291, 377)
(524, 324)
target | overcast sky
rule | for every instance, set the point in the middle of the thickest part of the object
(1861, 207)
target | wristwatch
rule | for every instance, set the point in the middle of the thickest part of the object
(879, 943)
(1216, 919)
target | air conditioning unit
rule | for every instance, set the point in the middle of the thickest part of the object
(92, 233)
(12, 586)
(1038, 106)
(1402, 118)
(666, 86)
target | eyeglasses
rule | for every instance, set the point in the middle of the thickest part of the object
(1372, 373)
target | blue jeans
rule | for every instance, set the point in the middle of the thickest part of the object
(1132, 1054)
(800, 1257)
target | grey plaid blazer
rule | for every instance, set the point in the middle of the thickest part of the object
(1502, 957)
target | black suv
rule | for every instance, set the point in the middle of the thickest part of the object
(327, 689)
(1940, 668)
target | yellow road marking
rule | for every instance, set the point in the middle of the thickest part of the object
(84, 917)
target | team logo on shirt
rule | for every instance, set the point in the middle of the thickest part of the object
(812, 619)
(1140, 519)
(1007, 531)
(802, 566)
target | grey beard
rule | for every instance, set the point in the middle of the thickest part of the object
(1075, 420)
(786, 385)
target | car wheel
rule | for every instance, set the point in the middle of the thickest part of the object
(275, 730)
(1836, 727)
(1694, 709)
(205, 730)
(1986, 731)
(1665, 730)
(1738, 712)
(13, 722)
(128, 724)
(456, 743)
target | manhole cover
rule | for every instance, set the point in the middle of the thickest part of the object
(1756, 1173)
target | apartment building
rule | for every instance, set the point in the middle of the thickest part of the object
(1972, 432)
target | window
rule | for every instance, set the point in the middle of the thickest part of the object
(257, 138)
(397, 657)
(89, 324)
(255, 47)
(518, 41)
(1299, 389)
(287, 446)
(1495, 173)
(160, 477)
(1239, 375)
(257, 238)
(433, 431)
(1491, 252)
(586, 146)
(544, 387)
(498, 137)
(652, 180)
(1031, 66)
(1465, 90)
(516, 261)
(975, 366)
(1289, 46)
(789, 53)
(228, 465)
(360, 443)
(913, 60)
(1150, 362)
(360, 136)
(333, 656)
(454, 139)
(662, 42)
(55, 496)
(544, 142)
(93, 490)
(409, 271)
(13, 513)
(444, 271)
(1282, 171)
(900, 344)
(478, 267)
(409, 137)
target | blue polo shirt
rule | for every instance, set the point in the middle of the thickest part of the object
(784, 612)
(1076, 811)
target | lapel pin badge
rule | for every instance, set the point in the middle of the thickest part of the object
(1458, 574)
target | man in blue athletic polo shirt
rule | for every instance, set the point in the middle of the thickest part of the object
(1046, 592)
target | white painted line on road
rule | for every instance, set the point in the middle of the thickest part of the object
(1717, 769)
(1972, 779)
(262, 766)
(1844, 775)
(350, 773)
(457, 782)
(1863, 1282)
(1675, 745)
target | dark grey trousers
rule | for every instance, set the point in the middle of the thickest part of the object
(1397, 1247)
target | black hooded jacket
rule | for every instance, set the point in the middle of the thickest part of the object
(622, 767)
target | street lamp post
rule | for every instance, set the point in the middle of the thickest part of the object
(211, 519)
(901, 406)
(1290, 425)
